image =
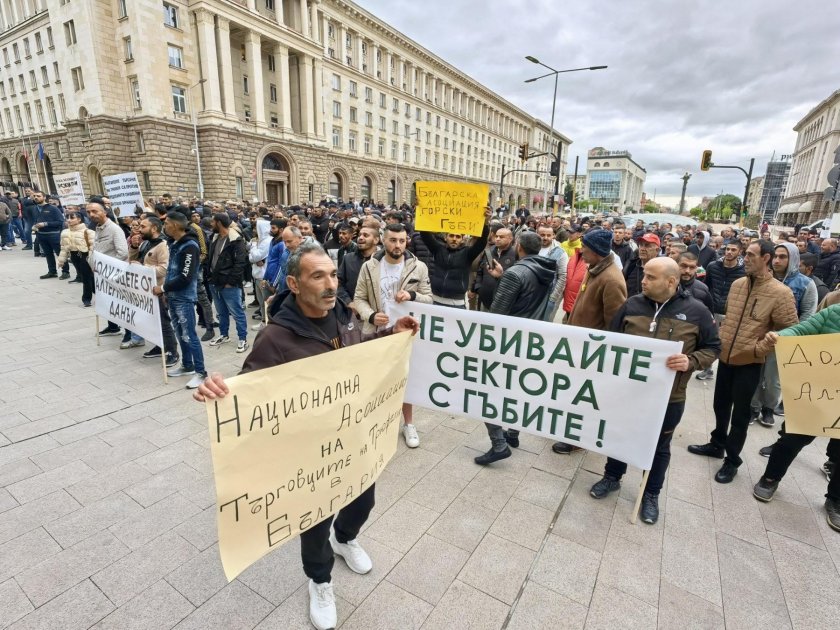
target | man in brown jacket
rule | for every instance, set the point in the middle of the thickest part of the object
(602, 293)
(757, 304)
(306, 320)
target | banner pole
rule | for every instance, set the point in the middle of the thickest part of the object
(96, 323)
(163, 362)
(638, 503)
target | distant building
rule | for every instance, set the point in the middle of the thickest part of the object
(615, 179)
(754, 195)
(579, 185)
(817, 140)
(775, 180)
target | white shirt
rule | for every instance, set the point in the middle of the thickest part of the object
(389, 286)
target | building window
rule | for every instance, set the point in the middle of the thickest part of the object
(272, 91)
(16, 53)
(179, 99)
(336, 109)
(55, 72)
(39, 45)
(275, 121)
(176, 57)
(272, 63)
(354, 115)
(62, 107)
(351, 141)
(269, 4)
(368, 142)
(33, 81)
(336, 137)
(395, 106)
(139, 142)
(50, 42)
(365, 188)
(45, 76)
(382, 121)
(22, 84)
(170, 15)
(122, 10)
(245, 83)
(382, 97)
(26, 47)
(69, 33)
(368, 119)
(382, 147)
(394, 149)
(336, 185)
(51, 111)
(135, 93)
(336, 83)
(11, 86)
(240, 192)
(310, 192)
(78, 79)
(39, 112)
(6, 56)
(2, 89)
(354, 89)
(128, 49)
(147, 181)
(368, 95)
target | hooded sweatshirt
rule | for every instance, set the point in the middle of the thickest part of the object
(258, 252)
(705, 254)
(804, 289)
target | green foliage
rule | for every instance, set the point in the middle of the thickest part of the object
(650, 207)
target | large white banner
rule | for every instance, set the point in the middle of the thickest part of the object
(602, 391)
(70, 190)
(124, 296)
(124, 192)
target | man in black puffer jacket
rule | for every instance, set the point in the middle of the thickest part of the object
(450, 277)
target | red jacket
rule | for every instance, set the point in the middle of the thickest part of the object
(575, 273)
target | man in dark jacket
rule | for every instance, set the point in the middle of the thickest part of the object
(689, 282)
(30, 218)
(620, 247)
(340, 245)
(367, 244)
(305, 321)
(634, 269)
(701, 248)
(828, 269)
(228, 258)
(485, 283)
(523, 291)
(664, 308)
(49, 223)
(450, 275)
(807, 263)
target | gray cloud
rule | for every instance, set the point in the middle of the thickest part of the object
(683, 77)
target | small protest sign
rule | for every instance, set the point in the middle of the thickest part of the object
(124, 192)
(293, 444)
(124, 296)
(70, 189)
(809, 371)
(451, 207)
(602, 391)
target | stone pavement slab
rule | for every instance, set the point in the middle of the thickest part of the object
(107, 515)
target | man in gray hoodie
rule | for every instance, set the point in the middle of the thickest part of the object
(700, 248)
(786, 270)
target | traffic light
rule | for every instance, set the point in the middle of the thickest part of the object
(554, 169)
(523, 151)
(706, 160)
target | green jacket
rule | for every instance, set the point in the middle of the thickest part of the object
(823, 322)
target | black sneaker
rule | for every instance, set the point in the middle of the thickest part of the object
(650, 508)
(207, 336)
(604, 486)
(832, 508)
(154, 353)
(172, 359)
(767, 419)
(754, 416)
(493, 456)
(709, 450)
(765, 451)
(561, 448)
(46, 276)
(780, 409)
(75, 280)
(764, 489)
(726, 473)
(64, 276)
(109, 332)
(512, 439)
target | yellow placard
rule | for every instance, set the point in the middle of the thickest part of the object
(451, 207)
(293, 444)
(809, 370)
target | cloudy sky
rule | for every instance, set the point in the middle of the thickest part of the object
(734, 77)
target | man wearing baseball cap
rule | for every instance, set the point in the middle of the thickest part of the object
(634, 269)
(572, 244)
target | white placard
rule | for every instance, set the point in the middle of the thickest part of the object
(124, 192)
(603, 391)
(124, 296)
(70, 189)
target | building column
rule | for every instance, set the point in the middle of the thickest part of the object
(304, 18)
(209, 60)
(389, 57)
(341, 44)
(278, 12)
(319, 96)
(307, 98)
(325, 24)
(313, 20)
(374, 64)
(253, 51)
(13, 18)
(226, 67)
(281, 63)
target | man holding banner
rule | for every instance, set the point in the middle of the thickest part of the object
(664, 309)
(305, 321)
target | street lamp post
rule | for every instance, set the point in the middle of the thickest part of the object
(193, 115)
(553, 107)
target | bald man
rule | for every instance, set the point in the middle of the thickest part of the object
(664, 310)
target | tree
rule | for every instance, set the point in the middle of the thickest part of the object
(567, 193)
(650, 207)
(723, 206)
(696, 212)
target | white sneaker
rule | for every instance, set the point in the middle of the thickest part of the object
(353, 554)
(179, 371)
(218, 341)
(242, 346)
(196, 380)
(259, 326)
(322, 606)
(412, 440)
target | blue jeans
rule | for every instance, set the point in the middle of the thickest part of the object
(16, 228)
(229, 303)
(182, 313)
(27, 232)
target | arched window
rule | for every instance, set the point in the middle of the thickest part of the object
(336, 185)
(274, 162)
(392, 185)
(95, 181)
(365, 188)
(597, 164)
(606, 164)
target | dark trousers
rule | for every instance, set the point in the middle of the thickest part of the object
(50, 243)
(315, 549)
(85, 273)
(170, 342)
(786, 449)
(5, 232)
(662, 455)
(734, 390)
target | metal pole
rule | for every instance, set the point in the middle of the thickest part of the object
(550, 140)
(574, 183)
(746, 194)
(194, 117)
(502, 186)
(554, 204)
(685, 179)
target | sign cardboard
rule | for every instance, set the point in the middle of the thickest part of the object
(809, 371)
(124, 192)
(451, 207)
(70, 189)
(602, 391)
(124, 296)
(293, 444)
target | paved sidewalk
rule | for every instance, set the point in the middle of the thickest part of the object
(107, 515)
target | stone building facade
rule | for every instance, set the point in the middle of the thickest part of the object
(290, 101)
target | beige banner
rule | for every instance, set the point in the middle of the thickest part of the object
(809, 369)
(293, 444)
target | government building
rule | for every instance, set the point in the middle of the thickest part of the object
(287, 101)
